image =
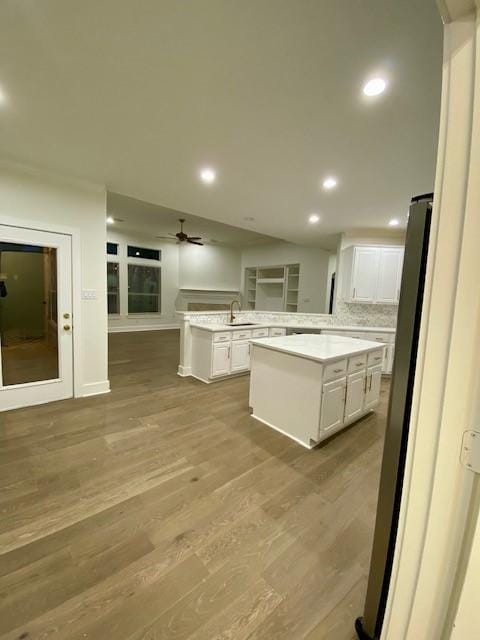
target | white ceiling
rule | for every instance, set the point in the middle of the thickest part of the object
(143, 218)
(139, 95)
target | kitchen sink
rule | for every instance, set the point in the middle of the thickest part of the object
(241, 324)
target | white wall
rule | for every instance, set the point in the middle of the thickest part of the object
(210, 267)
(38, 199)
(379, 315)
(313, 270)
(169, 282)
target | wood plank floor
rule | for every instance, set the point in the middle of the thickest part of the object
(164, 511)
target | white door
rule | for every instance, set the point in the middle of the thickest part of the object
(333, 406)
(365, 274)
(240, 360)
(355, 397)
(390, 274)
(36, 363)
(374, 380)
(220, 359)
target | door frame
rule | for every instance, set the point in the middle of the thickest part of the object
(438, 493)
(75, 235)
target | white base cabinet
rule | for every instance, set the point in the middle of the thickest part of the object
(217, 354)
(310, 401)
(333, 405)
(221, 359)
(240, 356)
(386, 339)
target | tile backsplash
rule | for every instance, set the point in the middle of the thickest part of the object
(366, 315)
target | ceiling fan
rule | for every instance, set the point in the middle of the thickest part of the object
(182, 237)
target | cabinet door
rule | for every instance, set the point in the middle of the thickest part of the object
(365, 274)
(355, 396)
(220, 360)
(333, 406)
(374, 380)
(240, 360)
(389, 275)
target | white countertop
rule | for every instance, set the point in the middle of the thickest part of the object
(320, 348)
(299, 325)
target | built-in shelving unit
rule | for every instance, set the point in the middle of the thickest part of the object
(272, 288)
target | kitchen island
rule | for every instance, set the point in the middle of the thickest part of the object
(309, 386)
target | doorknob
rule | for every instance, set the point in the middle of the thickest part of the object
(67, 327)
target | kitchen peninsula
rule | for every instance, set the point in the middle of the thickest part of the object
(310, 386)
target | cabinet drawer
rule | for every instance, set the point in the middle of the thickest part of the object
(357, 363)
(241, 335)
(260, 333)
(375, 357)
(377, 337)
(277, 331)
(335, 370)
(222, 337)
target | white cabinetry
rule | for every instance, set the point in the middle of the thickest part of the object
(348, 398)
(220, 359)
(355, 396)
(365, 274)
(372, 387)
(386, 339)
(333, 405)
(372, 274)
(240, 360)
(389, 275)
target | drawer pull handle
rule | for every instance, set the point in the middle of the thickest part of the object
(359, 364)
(377, 358)
(337, 370)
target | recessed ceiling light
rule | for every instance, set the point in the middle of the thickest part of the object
(208, 175)
(314, 218)
(375, 87)
(394, 222)
(330, 183)
(3, 96)
(110, 220)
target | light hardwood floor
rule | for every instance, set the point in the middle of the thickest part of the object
(164, 511)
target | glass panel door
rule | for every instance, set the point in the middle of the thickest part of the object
(28, 313)
(35, 337)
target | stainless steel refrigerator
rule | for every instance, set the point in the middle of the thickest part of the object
(369, 626)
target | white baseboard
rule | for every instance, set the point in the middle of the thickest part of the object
(184, 372)
(94, 389)
(142, 327)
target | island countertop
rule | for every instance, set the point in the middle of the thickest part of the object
(321, 348)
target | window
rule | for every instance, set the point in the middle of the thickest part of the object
(112, 249)
(113, 291)
(141, 252)
(144, 286)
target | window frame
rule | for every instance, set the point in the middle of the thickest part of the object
(141, 262)
(119, 288)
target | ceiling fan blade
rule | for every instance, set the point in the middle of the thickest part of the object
(194, 237)
(194, 242)
(166, 237)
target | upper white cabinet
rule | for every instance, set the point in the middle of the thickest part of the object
(390, 275)
(372, 274)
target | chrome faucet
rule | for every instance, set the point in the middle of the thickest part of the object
(232, 317)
